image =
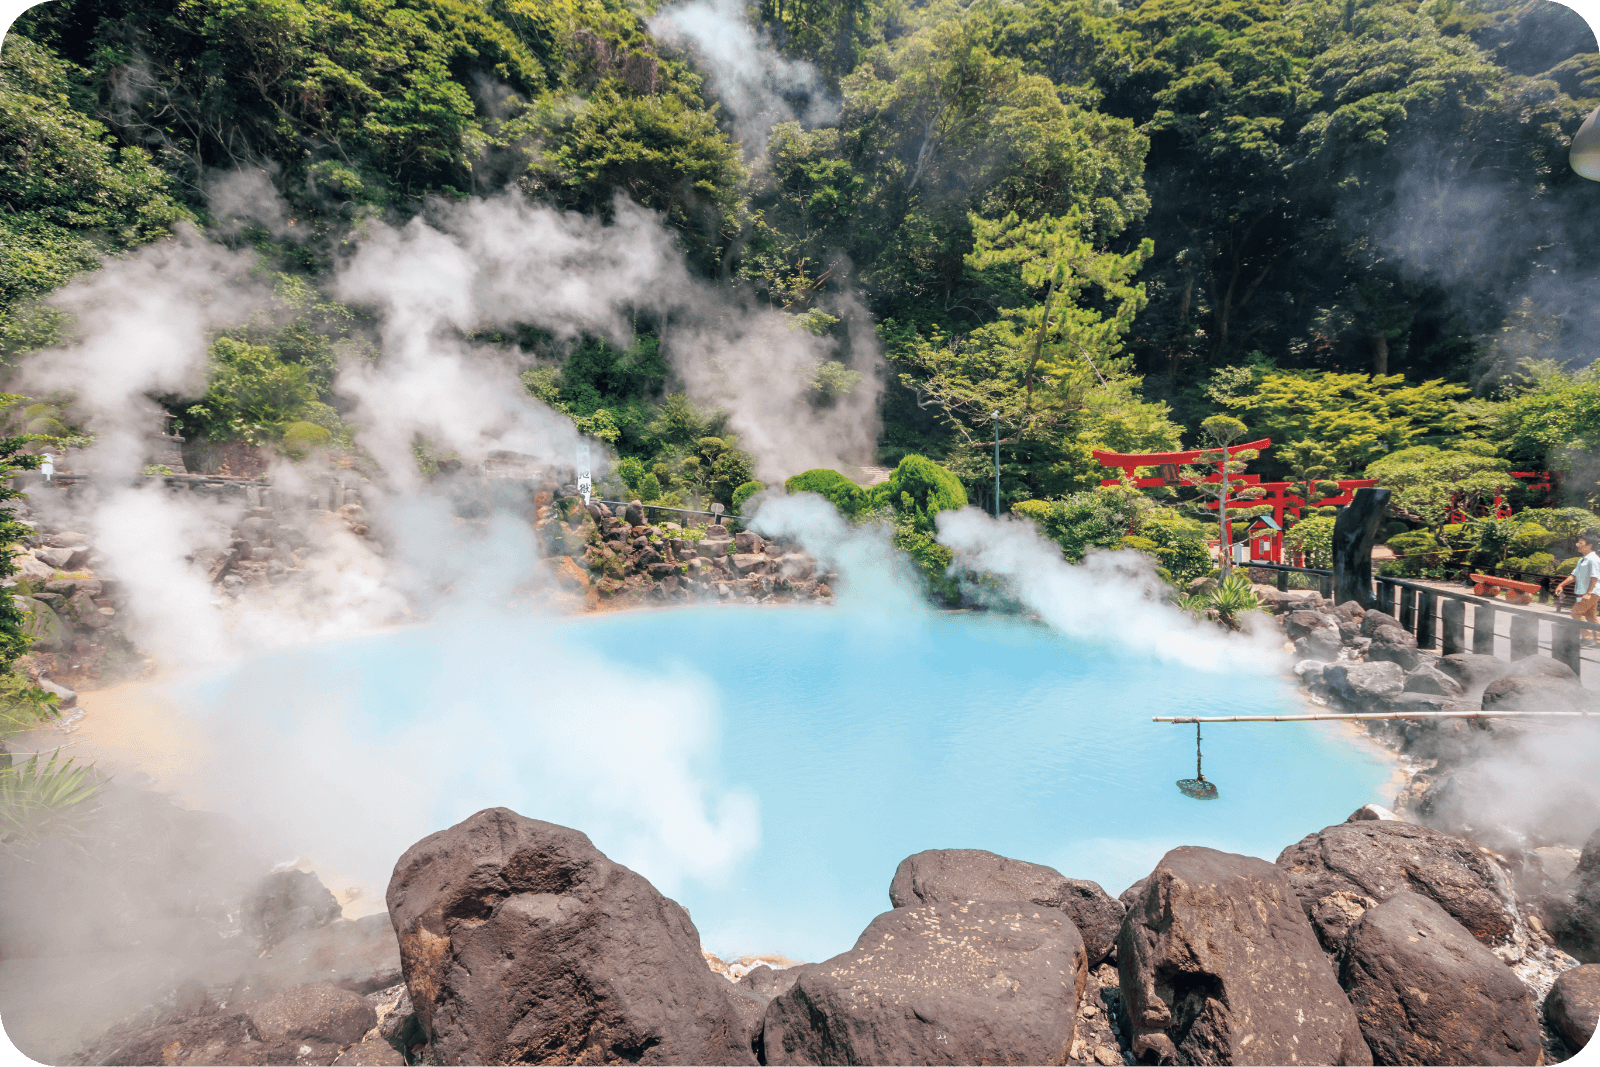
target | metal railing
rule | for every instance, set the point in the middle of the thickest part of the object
(1437, 618)
(718, 515)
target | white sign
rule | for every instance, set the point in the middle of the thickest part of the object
(585, 482)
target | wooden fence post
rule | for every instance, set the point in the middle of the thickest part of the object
(1564, 644)
(1524, 637)
(1408, 610)
(1483, 629)
(1425, 608)
(1454, 615)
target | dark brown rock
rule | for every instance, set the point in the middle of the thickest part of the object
(1542, 667)
(1472, 670)
(1363, 685)
(521, 942)
(1374, 620)
(1346, 868)
(1298, 624)
(1429, 679)
(362, 956)
(1536, 693)
(285, 903)
(1218, 965)
(1395, 645)
(938, 984)
(319, 1012)
(1573, 1005)
(1427, 992)
(370, 1051)
(958, 875)
(1573, 912)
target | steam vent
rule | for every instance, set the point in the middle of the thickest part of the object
(699, 532)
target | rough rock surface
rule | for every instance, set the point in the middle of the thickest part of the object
(1573, 912)
(319, 1011)
(1218, 965)
(958, 875)
(521, 942)
(1343, 870)
(1426, 992)
(1393, 644)
(1364, 684)
(1536, 693)
(1429, 679)
(362, 956)
(1573, 1006)
(285, 903)
(306, 1024)
(938, 984)
(1542, 667)
(1472, 670)
(1375, 620)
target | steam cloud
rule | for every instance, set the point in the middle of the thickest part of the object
(758, 85)
(1111, 596)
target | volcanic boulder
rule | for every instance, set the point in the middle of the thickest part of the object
(1573, 913)
(1395, 645)
(286, 902)
(938, 984)
(1375, 620)
(1428, 679)
(1341, 871)
(521, 942)
(1472, 670)
(1536, 693)
(959, 875)
(1573, 1005)
(1218, 965)
(1364, 684)
(1426, 992)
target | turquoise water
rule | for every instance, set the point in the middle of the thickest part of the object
(768, 768)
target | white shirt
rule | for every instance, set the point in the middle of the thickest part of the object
(1588, 567)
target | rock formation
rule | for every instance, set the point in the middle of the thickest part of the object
(1342, 870)
(1218, 965)
(946, 983)
(959, 875)
(521, 942)
(1427, 992)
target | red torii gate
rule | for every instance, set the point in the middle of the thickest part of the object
(1262, 550)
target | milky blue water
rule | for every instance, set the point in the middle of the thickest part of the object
(770, 767)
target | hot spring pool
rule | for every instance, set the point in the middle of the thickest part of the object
(768, 767)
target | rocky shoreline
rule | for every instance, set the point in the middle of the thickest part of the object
(509, 940)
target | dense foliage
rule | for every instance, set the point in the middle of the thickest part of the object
(1075, 225)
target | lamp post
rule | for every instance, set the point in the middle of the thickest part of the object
(997, 464)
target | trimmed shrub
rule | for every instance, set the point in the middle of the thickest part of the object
(300, 439)
(920, 489)
(744, 493)
(1415, 551)
(840, 491)
(1180, 543)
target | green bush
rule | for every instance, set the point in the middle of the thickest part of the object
(1533, 563)
(1314, 538)
(630, 470)
(920, 488)
(1415, 551)
(1180, 543)
(840, 491)
(744, 493)
(300, 439)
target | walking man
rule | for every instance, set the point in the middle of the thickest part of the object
(1585, 579)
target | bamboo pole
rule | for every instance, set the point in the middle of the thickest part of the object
(1372, 715)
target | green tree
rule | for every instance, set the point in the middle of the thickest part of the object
(1429, 483)
(1350, 419)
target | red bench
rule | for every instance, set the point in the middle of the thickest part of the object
(1516, 592)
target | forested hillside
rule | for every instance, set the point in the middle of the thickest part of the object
(1348, 223)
